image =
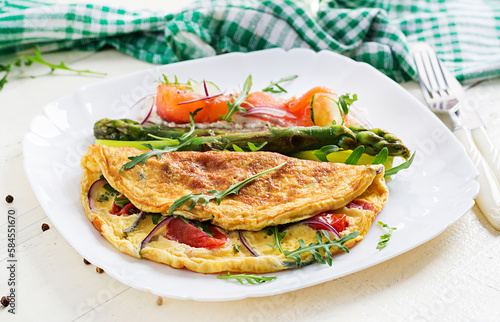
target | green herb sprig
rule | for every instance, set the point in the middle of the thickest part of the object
(275, 87)
(314, 248)
(184, 140)
(214, 194)
(29, 60)
(167, 82)
(203, 226)
(382, 156)
(249, 279)
(235, 105)
(345, 101)
(236, 248)
(155, 218)
(102, 198)
(355, 155)
(121, 201)
(278, 237)
(402, 166)
(385, 237)
(252, 147)
(322, 153)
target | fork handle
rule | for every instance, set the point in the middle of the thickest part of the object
(488, 199)
(488, 149)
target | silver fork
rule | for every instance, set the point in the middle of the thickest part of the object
(435, 87)
(439, 95)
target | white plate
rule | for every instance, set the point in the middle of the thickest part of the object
(425, 199)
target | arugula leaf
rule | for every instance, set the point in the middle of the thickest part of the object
(203, 226)
(345, 101)
(322, 153)
(102, 198)
(381, 157)
(274, 87)
(277, 237)
(402, 166)
(217, 195)
(314, 248)
(168, 141)
(155, 218)
(121, 201)
(110, 189)
(7, 69)
(237, 148)
(386, 237)
(255, 148)
(142, 158)
(29, 60)
(236, 248)
(235, 105)
(250, 279)
(251, 147)
(355, 155)
(184, 140)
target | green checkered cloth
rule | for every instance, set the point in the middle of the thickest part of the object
(465, 33)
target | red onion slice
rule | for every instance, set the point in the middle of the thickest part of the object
(138, 106)
(201, 99)
(269, 110)
(247, 246)
(154, 231)
(205, 87)
(149, 113)
(92, 194)
(321, 223)
(135, 224)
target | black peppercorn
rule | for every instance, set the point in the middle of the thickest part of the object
(5, 301)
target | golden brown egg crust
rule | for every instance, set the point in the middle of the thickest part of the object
(297, 191)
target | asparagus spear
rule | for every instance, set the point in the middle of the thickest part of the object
(282, 140)
(374, 140)
(128, 130)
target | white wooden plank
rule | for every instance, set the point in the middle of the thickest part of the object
(453, 277)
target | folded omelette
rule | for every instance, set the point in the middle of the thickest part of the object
(235, 235)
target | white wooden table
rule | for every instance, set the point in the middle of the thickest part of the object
(454, 277)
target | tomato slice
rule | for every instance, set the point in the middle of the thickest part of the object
(115, 209)
(191, 235)
(128, 209)
(361, 204)
(339, 222)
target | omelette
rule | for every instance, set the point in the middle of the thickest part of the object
(254, 230)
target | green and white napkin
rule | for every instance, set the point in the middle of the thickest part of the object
(465, 33)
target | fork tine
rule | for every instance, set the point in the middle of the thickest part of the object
(424, 78)
(438, 72)
(433, 79)
(430, 73)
